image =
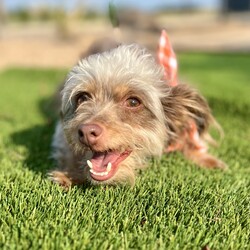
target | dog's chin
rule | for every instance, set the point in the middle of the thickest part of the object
(104, 165)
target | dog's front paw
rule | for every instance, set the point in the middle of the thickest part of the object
(60, 178)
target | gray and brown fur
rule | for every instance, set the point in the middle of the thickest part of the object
(110, 78)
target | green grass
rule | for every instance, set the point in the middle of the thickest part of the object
(174, 204)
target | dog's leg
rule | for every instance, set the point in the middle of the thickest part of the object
(188, 119)
(67, 177)
(195, 149)
(69, 171)
(61, 178)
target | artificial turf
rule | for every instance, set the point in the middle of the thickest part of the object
(174, 204)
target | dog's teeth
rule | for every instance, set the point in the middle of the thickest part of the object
(89, 164)
(109, 166)
(99, 174)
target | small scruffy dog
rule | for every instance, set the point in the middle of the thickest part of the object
(117, 111)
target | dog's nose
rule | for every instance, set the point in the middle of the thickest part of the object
(89, 133)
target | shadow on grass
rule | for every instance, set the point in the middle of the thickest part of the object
(37, 139)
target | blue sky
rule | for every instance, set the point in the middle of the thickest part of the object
(102, 4)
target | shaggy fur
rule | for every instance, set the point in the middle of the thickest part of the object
(117, 107)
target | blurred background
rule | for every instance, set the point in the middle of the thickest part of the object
(55, 33)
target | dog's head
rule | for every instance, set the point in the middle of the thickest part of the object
(111, 108)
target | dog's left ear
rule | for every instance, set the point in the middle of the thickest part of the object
(183, 104)
(188, 118)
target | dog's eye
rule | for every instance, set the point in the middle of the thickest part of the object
(132, 102)
(82, 97)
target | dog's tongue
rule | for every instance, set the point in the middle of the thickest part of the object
(101, 160)
(103, 166)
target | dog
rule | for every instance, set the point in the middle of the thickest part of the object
(117, 111)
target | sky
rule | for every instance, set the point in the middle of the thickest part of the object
(101, 5)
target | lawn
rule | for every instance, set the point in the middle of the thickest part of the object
(174, 204)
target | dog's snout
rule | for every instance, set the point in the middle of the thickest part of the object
(90, 133)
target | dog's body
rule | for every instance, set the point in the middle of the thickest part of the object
(117, 111)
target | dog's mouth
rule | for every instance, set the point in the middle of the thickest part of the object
(104, 165)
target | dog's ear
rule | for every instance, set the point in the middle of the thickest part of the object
(184, 104)
(188, 118)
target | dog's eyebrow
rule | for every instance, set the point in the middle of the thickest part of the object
(79, 78)
(121, 92)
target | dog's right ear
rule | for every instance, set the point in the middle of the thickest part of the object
(188, 118)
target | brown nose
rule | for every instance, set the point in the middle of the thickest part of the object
(89, 133)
